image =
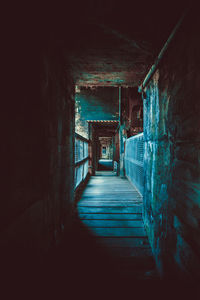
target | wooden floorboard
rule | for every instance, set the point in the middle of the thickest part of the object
(120, 216)
(108, 203)
(110, 210)
(113, 223)
(119, 232)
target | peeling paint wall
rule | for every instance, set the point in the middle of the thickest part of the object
(172, 157)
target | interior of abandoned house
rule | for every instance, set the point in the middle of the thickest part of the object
(101, 163)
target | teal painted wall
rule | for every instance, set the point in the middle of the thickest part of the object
(100, 103)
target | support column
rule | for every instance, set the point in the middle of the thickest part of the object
(94, 151)
(121, 143)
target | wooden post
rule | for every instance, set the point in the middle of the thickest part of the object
(121, 144)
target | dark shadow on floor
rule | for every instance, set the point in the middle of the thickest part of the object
(77, 268)
(82, 265)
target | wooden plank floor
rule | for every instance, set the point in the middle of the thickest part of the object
(111, 210)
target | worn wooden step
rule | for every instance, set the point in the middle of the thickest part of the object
(112, 196)
(108, 203)
(113, 223)
(102, 200)
(109, 190)
(137, 216)
(110, 210)
(118, 232)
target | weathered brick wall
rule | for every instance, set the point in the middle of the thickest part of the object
(100, 103)
(39, 180)
(172, 156)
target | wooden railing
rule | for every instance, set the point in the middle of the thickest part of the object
(81, 159)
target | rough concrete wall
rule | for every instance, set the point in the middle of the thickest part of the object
(172, 157)
(39, 176)
(100, 103)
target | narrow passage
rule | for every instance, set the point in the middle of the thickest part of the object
(110, 209)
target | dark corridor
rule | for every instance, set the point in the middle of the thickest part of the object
(90, 80)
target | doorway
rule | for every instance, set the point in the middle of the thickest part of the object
(105, 162)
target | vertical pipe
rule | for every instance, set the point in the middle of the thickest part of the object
(161, 54)
(120, 100)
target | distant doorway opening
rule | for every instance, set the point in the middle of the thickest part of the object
(105, 162)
